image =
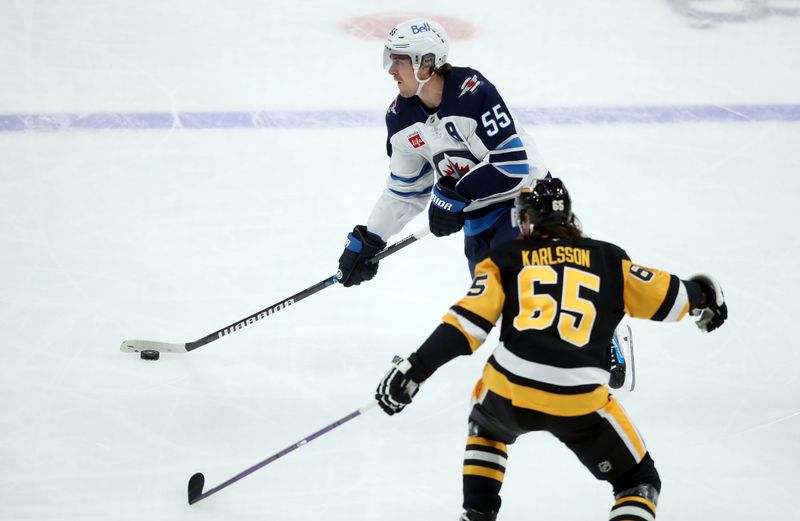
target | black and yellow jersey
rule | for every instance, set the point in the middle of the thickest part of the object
(559, 301)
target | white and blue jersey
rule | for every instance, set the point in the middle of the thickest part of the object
(471, 136)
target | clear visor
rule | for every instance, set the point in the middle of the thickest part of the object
(391, 57)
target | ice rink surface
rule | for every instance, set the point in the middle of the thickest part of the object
(167, 168)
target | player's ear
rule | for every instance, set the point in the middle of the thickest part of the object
(427, 65)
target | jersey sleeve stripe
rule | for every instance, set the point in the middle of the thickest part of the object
(412, 194)
(473, 317)
(670, 299)
(504, 157)
(474, 334)
(681, 305)
(512, 142)
(520, 169)
(425, 171)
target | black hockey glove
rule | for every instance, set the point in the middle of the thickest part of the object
(354, 265)
(713, 311)
(446, 212)
(398, 386)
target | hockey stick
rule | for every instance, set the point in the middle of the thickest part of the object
(196, 482)
(135, 346)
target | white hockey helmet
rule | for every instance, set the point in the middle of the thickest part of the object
(418, 39)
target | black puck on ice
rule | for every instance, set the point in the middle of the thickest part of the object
(149, 354)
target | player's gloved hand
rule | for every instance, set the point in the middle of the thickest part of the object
(397, 388)
(354, 265)
(446, 212)
(712, 310)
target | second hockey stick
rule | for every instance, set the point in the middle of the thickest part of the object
(198, 480)
(136, 346)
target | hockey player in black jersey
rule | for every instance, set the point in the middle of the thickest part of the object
(454, 147)
(560, 295)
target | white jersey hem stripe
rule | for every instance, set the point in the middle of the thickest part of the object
(571, 377)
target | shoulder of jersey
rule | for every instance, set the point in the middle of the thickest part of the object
(504, 250)
(510, 249)
(464, 83)
(402, 113)
(608, 247)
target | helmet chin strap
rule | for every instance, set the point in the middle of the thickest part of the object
(421, 82)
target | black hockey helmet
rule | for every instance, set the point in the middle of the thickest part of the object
(546, 203)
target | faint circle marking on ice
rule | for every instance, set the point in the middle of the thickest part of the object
(377, 25)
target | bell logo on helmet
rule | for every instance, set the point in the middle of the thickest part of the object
(424, 28)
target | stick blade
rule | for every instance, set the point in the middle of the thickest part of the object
(195, 488)
(137, 346)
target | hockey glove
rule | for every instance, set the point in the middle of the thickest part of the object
(397, 387)
(713, 311)
(354, 265)
(446, 212)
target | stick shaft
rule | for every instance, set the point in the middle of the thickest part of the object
(285, 451)
(311, 290)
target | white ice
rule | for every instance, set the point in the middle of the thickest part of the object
(171, 234)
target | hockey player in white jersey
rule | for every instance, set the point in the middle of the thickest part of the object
(454, 147)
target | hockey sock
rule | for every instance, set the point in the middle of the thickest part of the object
(635, 504)
(484, 469)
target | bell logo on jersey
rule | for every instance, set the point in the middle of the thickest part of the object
(424, 28)
(416, 140)
(470, 85)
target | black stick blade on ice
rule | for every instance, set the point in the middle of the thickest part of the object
(196, 483)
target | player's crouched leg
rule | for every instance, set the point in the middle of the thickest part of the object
(485, 462)
(636, 493)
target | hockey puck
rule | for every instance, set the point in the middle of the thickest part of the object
(149, 354)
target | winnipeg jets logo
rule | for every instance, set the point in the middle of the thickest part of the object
(453, 168)
(470, 85)
(392, 107)
(455, 163)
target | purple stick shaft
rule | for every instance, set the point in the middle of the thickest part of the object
(286, 451)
